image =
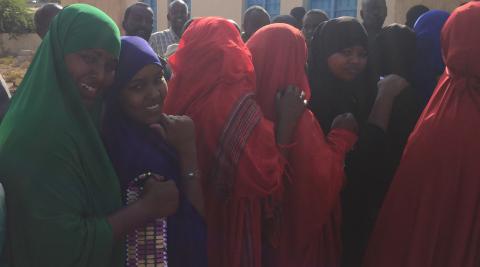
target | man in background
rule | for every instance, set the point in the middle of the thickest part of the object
(298, 13)
(43, 16)
(177, 16)
(312, 19)
(138, 20)
(254, 18)
(373, 13)
(414, 13)
(287, 19)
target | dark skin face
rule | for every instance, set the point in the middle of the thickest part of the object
(177, 16)
(373, 13)
(142, 98)
(310, 23)
(139, 22)
(347, 64)
(48, 16)
(92, 71)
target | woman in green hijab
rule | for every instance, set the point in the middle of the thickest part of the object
(62, 195)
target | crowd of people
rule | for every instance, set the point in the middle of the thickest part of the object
(299, 140)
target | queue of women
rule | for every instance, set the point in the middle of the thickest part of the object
(262, 153)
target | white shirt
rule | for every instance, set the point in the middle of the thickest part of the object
(159, 41)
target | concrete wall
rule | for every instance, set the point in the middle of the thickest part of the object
(114, 8)
(12, 46)
(287, 5)
(162, 10)
(401, 7)
(231, 9)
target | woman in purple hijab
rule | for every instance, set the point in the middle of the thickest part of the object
(429, 64)
(144, 143)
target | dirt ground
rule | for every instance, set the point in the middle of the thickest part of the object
(13, 70)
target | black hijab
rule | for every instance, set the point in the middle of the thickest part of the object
(396, 45)
(287, 19)
(331, 96)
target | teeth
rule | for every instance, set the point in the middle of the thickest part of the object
(88, 87)
(153, 107)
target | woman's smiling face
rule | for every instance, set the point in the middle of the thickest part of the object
(142, 98)
(92, 70)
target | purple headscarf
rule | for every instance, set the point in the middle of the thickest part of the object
(134, 149)
(429, 63)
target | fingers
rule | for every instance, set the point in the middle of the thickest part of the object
(162, 127)
(293, 90)
(158, 178)
(292, 95)
(165, 120)
(278, 96)
(159, 129)
(345, 117)
(302, 95)
(349, 115)
(345, 121)
(395, 77)
(153, 180)
(339, 117)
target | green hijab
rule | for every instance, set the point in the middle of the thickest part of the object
(60, 185)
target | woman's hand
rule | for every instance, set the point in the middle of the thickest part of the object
(160, 197)
(388, 89)
(290, 105)
(391, 86)
(345, 121)
(178, 131)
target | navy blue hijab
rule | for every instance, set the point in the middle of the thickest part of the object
(134, 149)
(429, 63)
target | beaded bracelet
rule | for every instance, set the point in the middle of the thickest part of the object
(141, 179)
(147, 245)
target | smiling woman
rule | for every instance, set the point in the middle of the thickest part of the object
(91, 70)
(134, 113)
(338, 71)
(63, 198)
(142, 99)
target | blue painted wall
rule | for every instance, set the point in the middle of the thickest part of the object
(336, 8)
(272, 6)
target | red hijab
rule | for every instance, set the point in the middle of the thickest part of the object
(213, 83)
(279, 56)
(308, 235)
(431, 214)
